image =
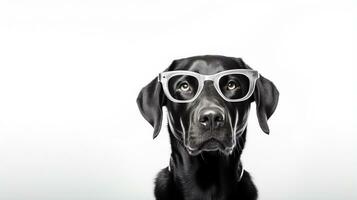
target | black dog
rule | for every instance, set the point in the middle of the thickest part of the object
(208, 134)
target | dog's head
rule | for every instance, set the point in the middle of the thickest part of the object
(208, 100)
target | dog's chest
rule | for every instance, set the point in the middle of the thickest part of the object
(207, 195)
(213, 192)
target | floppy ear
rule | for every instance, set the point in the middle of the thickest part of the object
(150, 101)
(266, 98)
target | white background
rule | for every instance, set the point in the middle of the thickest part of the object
(70, 72)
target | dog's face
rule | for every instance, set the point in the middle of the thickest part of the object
(209, 123)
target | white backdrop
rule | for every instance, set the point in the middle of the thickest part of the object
(70, 72)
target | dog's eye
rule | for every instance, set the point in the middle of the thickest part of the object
(184, 87)
(232, 85)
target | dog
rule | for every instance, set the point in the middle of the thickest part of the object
(208, 100)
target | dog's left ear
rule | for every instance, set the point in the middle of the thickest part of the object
(266, 98)
(150, 101)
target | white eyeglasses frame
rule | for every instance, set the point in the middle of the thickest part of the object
(252, 75)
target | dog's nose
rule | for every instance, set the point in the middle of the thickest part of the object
(211, 118)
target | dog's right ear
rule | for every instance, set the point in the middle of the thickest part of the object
(266, 97)
(150, 101)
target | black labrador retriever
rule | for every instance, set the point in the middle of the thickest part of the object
(208, 100)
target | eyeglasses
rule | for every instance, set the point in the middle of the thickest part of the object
(185, 86)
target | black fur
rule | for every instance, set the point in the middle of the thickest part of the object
(210, 174)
